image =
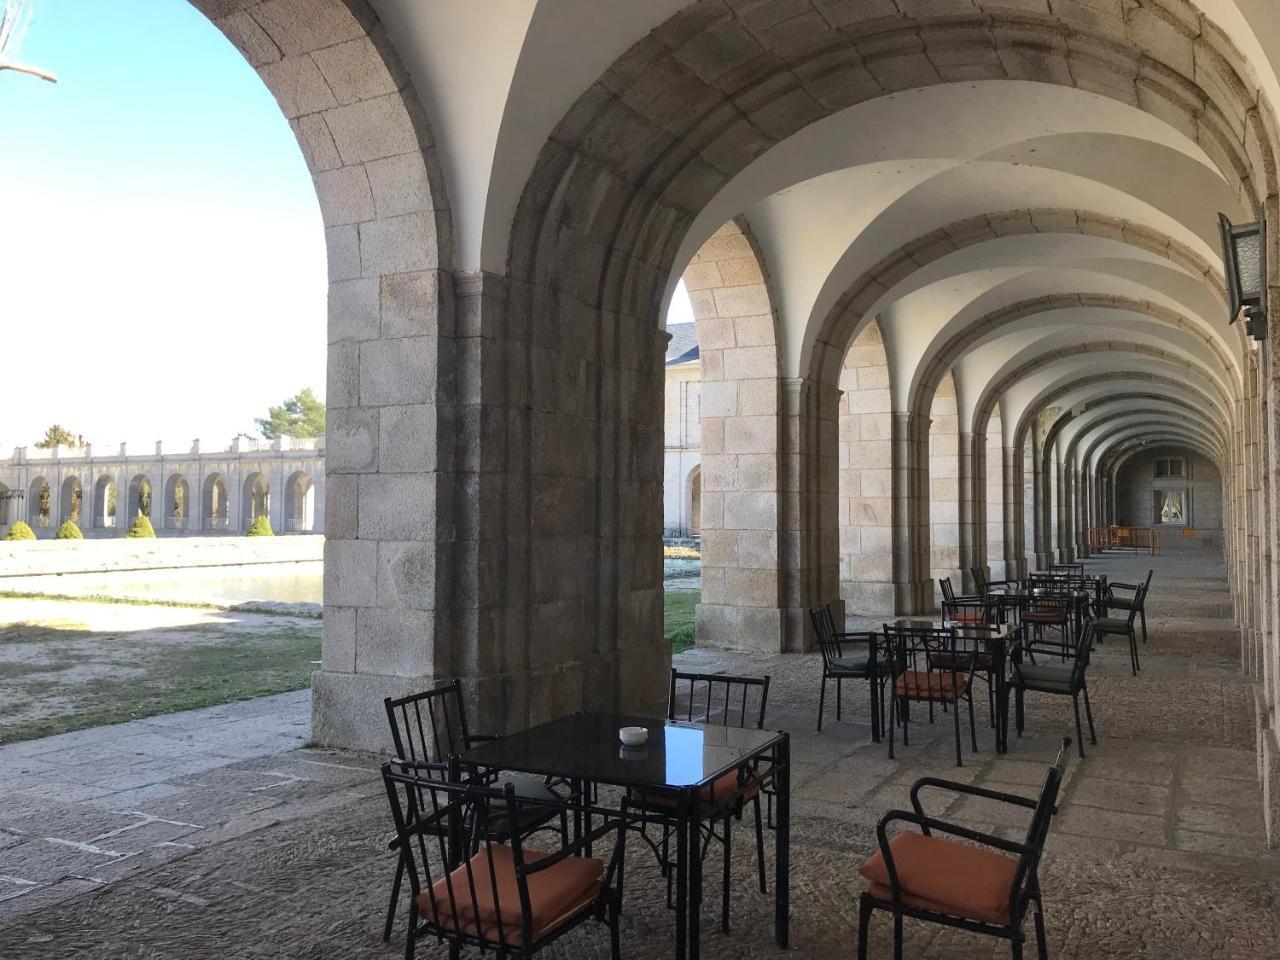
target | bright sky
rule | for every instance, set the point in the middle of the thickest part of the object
(162, 263)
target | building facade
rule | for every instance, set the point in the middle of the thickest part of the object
(189, 492)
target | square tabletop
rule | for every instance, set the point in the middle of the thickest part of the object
(585, 746)
(984, 631)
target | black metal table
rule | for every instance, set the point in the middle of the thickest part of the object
(997, 642)
(679, 758)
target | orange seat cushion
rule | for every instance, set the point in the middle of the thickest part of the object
(968, 616)
(985, 661)
(945, 877)
(556, 895)
(712, 795)
(931, 685)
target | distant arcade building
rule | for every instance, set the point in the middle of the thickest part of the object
(192, 493)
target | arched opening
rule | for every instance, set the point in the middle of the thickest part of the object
(140, 504)
(215, 507)
(299, 503)
(995, 498)
(6, 495)
(104, 503)
(70, 501)
(682, 418)
(177, 503)
(39, 503)
(695, 501)
(944, 485)
(256, 500)
(866, 476)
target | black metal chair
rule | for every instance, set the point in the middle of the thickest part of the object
(1067, 569)
(471, 879)
(429, 727)
(723, 700)
(927, 666)
(984, 886)
(984, 585)
(1063, 679)
(1049, 605)
(1106, 626)
(850, 656)
(1110, 600)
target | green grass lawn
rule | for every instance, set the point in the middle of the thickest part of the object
(678, 618)
(141, 677)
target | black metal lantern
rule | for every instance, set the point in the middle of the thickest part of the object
(1244, 260)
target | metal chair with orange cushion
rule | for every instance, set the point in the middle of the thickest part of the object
(471, 879)
(926, 666)
(984, 886)
(723, 700)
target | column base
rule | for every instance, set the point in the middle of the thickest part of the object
(747, 629)
(347, 709)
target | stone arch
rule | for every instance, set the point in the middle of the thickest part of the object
(693, 484)
(5, 509)
(175, 513)
(39, 503)
(255, 498)
(740, 515)
(299, 502)
(71, 501)
(594, 237)
(866, 476)
(392, 357)
(104, 509)
(141, 500)
(215, 506)
(868, 289)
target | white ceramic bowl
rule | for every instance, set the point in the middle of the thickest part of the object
(633, 736)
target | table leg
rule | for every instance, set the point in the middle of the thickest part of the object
(682, 876)
(782, 843)
(695, 879)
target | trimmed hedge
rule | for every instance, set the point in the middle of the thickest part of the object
(20, 531)
(141, 528)
(68, 531)
(261, 527)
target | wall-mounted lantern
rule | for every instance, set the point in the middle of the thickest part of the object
(1244, 260)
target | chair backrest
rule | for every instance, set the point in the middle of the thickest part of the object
(1078, 652)
(461, 846)
(429, 726)
(1037, 834)
(1147, 582)
(928, 652)
(824, 624)
(718, 698)
(948, 594)
(1139, 601)
(1071, 569)
(980, 580)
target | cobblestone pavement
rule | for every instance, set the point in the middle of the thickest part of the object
(207, 835)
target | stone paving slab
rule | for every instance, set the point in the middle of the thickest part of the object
(247, 847)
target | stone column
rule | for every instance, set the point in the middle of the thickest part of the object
(971, 469)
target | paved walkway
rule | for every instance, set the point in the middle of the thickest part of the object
(207, 834)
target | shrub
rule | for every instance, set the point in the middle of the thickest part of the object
(20, 531)
(261, 527)
(680, 553)
(141, 528)
(68, 531)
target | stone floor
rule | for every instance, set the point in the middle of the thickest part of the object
(208, 835)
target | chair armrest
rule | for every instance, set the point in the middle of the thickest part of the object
(926, 824)
(1122, 586)
(966, 788)
(474, 738)
(542, 863)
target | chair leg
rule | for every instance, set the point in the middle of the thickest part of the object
(615, 945)
(411, 940)
(1019, 717)
(759, 844)
(822, 699)
(1042, 944)
(875, 710)
(839, 698)
(728, 857)
(955, 716)
(1075, 703)
(897, 936)
(395, 897)
(1088, 712)
(865, 908)
(1015, 947)
(973, 726)
(893, 722)
(1143, 614)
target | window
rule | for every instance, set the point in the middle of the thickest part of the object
(1170, 468)
(1170, 507)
